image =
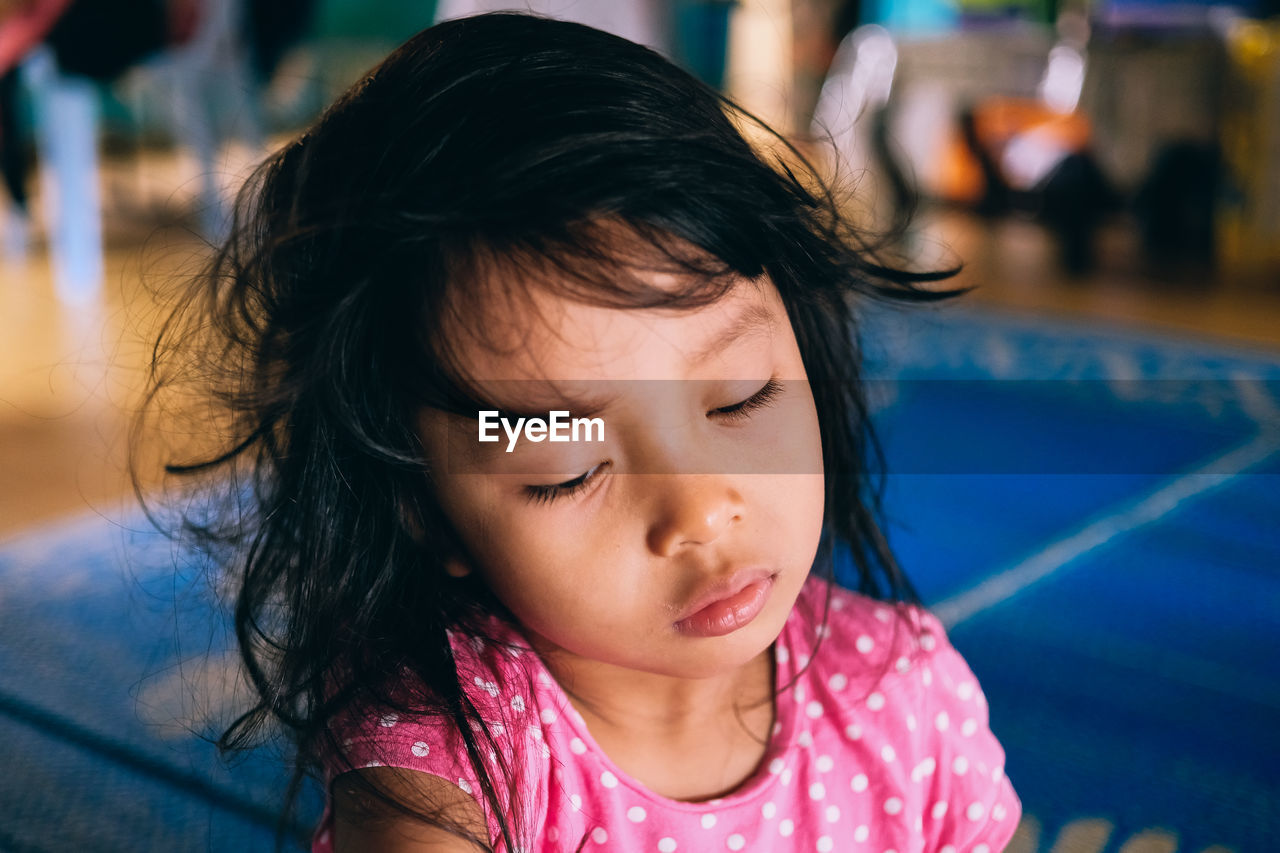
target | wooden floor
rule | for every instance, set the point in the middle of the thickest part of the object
(70, 375)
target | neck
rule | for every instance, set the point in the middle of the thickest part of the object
(684, 740)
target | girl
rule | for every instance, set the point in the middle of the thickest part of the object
(482, 636)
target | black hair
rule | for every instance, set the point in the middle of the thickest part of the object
(492, 140)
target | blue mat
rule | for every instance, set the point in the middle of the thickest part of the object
(1093, 513)
(1097, 518)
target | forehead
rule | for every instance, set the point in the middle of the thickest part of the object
(534, 332)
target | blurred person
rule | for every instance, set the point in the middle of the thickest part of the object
(631, 640)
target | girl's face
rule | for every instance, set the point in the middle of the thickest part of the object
(707, 486)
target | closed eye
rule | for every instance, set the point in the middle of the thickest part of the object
(743, 410)
(540, 494)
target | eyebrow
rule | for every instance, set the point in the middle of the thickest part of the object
(755, 319)
(580, 407)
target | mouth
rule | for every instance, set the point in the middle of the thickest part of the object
(728, 605)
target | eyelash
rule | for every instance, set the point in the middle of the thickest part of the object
(735, 413)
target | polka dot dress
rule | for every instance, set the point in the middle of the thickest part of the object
(881, 744)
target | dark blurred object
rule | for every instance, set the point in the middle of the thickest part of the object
(275, 26)
(101, 39)
(1075, 198)
(1175, 205)
(15, 162)
(702, 38)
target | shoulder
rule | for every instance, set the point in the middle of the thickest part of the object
(440, 751)
(917, 713)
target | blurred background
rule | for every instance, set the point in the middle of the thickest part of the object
(1108, 172)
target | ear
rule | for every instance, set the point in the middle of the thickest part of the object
(455, 567)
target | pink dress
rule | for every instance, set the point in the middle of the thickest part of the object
(881, 744)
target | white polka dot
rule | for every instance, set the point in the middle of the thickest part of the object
(947, 848)
(517, 702)
(923, 769)
(803, 660)
(965, 690)
(735, 842)
(997, 774)
(817, 791)
(805, 739)
(577, 746)
(882, 614)
(822, 631)
(535, 732)
(942, 722)
(498, 729)
(667, 845)
(781, 653)
(547, 716)
(776, 766)
(813, 709)
(960, 766)
(875, 701)
(786, 828)
(982, 848)
(769, 809)
(837, 602)
(799, 693)
(911, 722)
(927, 642)
(635, 814)
(825, 844)
(861, 834)
(464, 785)
(893, 805)
(553, 834)
(975, 811)
(786, 776)
(777, 726)
(825, 763)
(708, 821)
(939, 809)
(887, 753)
(576, 802)
(853, 732)
(599, 836)
(998, 812)
(839, 681)
(864, 644)
(859, 782)
(373, 764)
(927, 676)
(968, 727)
(832, 814)
(608, 779)
(421, 749)
(389, 720)
(903, 664)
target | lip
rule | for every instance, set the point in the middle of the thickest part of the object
(727, 605)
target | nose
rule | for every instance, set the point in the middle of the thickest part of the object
(691, 509)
